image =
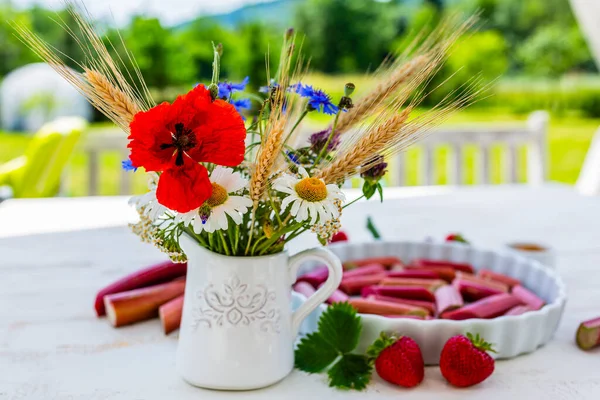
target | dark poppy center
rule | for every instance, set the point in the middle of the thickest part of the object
(183, 140)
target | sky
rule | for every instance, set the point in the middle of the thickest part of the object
(170, 12)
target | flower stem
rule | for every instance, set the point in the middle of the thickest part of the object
(275, 210)
(353, 201)
(289, 135)
(263, 248)
(329, 138)
(225, 248)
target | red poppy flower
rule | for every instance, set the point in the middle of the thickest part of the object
(174, 138)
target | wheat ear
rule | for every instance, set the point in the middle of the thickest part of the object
(266, 159)
(366, 148)
(385, 89)
(110, 99)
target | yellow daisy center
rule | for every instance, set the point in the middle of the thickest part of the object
(219, 195)
(311, 189)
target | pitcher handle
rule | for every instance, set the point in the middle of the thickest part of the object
(334, 265)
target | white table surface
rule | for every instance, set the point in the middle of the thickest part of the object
(55, 254)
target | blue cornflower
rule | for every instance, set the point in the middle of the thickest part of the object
(293, 157)
(241, 105)
(127, 165)
(227, 88)
(317, 99)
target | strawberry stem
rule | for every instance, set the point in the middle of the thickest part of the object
(480, 343)
(381, 343)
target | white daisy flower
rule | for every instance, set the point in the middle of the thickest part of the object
(148, 203)
(212, 215)
(309, 197)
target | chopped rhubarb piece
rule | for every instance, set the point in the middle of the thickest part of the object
(387, 262)
(472, 291)
(489, 307)
(425, 262)
(406, 316)
(337, 296)
(355, 284)
(429, 306)
(170, 314)
(315, 277)
(518, 310)
(588, 334)
(495, 276)
(153, 275)
(304, 288)
(368, 269)
(527, 297)
(446, 273)
(448, 298)
(419, 273)
(140, 304)
(366, 306)
(429, 284)
(503, 287)
(403, 292)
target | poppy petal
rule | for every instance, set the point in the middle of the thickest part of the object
(149, 139)
(184, 188)
(221, 137)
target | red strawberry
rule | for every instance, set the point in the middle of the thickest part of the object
(456, 237)
(339, 237)
(464, 361)
(398, 360)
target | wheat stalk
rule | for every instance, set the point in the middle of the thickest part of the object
(266, 159)
(369, 146)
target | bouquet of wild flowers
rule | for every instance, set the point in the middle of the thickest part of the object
(246, 186)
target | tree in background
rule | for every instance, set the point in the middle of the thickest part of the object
(347, 35)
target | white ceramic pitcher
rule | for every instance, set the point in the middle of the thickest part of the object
(237, 329)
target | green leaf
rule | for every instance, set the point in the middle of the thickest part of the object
(340, 326)
(352, 371)
(314, 353)
(368, 189)
(382, 342)
(371, 227)
(380, 190)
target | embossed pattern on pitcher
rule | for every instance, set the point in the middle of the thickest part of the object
(234, 304)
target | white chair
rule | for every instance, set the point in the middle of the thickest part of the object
(588, 182)
(532, 135)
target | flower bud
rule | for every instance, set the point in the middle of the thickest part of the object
(349, 89)
(289, 33)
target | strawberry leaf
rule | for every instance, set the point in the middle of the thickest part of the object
(314, 354)
(352, 371)
(382, 342)
(340, 326)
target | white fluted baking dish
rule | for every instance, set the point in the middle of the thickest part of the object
(511, 335)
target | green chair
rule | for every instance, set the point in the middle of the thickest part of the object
(37, 173)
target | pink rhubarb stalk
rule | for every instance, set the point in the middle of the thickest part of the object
(518, 310)
(366, 306)
(588, 334)
(446, 273)
(406, 317)
(305, 289)
(315, 277)
(528, 297)
(495, 276)
(387, 262)
(140, 304)
(489, 307)
(425, 262)
(472, 291)
(430, 284)
(448, 298)
(336, 297)
(170, 314)
(355, 284)
(503, 287)
(413, 273)
(427, 305)
(369, 269)
(403, 292)
(153, 275)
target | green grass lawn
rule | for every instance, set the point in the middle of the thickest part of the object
(569, 139)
